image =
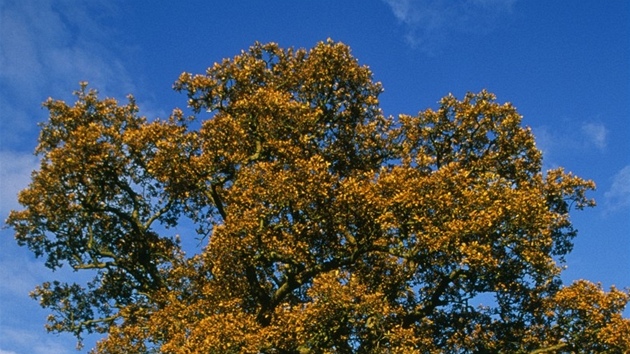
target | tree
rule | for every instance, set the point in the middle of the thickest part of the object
(326, 226)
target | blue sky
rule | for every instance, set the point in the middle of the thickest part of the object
(564, 65)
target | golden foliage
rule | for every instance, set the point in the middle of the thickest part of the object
(329, 227)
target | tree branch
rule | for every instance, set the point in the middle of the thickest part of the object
(216, 199)
(159, 213)
(101, 265)
(434, 300)
(553, 348)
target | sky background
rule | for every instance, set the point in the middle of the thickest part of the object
(564, 65)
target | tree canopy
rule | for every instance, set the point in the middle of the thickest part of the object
(324, 225)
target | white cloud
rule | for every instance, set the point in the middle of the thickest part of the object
(57, 44)
(596, 134)
(46, 49)
(573, 138)
(618, 195)
(25, 341)
(19, 277)
(430, 22)
(15, 174)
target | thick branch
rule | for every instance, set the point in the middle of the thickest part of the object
(294, 281)
(131, 218)
(159, 213)
(549, 349)
(96, 265)
(434, 300)
(216, 199)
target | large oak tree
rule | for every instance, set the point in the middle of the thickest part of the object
(325, 226)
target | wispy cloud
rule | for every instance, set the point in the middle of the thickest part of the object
(46, 48)
(595, 134)
(618, 195)
(57, 43)
(573, 138)
(430, 22)
(15, 172)
(28, 342)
